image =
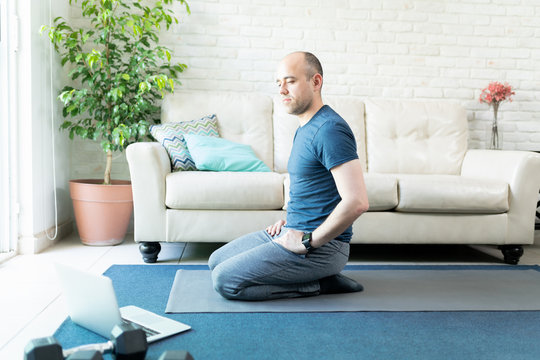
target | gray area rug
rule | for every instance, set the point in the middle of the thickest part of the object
(384, 290)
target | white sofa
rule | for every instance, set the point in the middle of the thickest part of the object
(424, 185)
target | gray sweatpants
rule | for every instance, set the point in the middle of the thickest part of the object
(253, 267)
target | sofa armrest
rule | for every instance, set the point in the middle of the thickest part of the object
(521, 170)
(149, 164)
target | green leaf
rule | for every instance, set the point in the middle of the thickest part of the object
(143, 86)
(106, 146)
(91, 60)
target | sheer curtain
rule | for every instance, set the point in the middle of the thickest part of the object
(8, 167)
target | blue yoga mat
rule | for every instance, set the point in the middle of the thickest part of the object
(348, 335)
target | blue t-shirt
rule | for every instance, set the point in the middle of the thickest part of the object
(324, 142)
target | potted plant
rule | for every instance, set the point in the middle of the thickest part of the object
(119, 73)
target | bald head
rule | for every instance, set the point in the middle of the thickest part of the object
(312, 65)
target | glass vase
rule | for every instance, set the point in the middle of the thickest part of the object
(494, 136)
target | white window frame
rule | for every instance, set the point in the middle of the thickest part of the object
(8, 130)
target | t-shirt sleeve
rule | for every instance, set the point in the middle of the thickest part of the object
(335, 144)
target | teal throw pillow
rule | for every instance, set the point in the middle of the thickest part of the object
(171, 136)
(217, 154)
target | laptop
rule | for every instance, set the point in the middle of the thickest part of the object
(92, 303)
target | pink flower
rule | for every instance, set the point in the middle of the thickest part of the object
(496, 93)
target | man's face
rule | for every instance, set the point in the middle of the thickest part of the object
(294, 87)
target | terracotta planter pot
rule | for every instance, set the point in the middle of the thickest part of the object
(102, 212)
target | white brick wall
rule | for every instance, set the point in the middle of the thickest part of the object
(410, 49)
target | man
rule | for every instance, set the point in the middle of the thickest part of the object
(303, 255)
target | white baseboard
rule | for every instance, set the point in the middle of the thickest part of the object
(6, 256)
(28, 245)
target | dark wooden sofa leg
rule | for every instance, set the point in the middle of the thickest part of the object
(511, 253)
(149, 251)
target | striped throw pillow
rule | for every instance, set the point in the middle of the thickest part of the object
(170, 135)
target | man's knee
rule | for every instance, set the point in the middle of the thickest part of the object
(223, 284)
(212, 261)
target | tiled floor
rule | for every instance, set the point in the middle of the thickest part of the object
(31, 305)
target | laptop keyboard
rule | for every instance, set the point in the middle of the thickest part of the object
(149, 332)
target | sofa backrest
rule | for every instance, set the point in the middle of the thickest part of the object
(285, 125)
(242, 117)
(415, 137)
(393, 136)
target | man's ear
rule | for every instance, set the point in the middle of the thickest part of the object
(316, 80)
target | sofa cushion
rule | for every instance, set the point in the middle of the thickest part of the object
(382, 190)
(244, 118)
(216, 154)
(451, 194)
(224, 190)
(412, 137)
(171, 136)
(285, 125)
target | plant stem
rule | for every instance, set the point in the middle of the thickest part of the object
(108, 166)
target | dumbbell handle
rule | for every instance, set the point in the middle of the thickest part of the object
(103, 348)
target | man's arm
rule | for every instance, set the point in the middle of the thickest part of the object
(354, 202)
(350, 184)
